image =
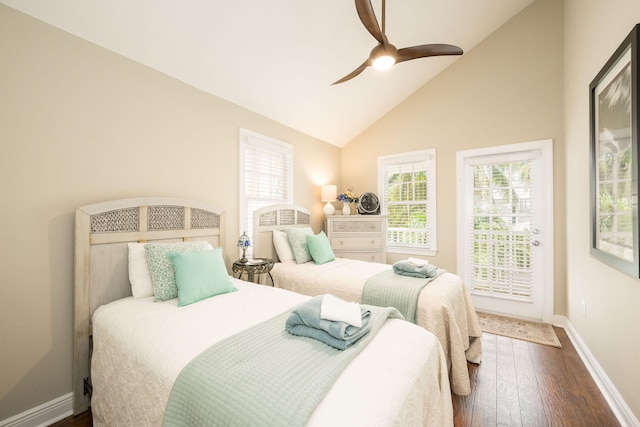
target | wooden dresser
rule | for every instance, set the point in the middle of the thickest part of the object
(360, 237)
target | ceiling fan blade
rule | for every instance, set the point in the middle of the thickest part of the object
(368, 18)
(425, 50)
(352, 74)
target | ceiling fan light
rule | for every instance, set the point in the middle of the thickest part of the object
(383, 56)
(383, 62)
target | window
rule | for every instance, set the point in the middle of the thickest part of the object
(266, 176)
(407, 184)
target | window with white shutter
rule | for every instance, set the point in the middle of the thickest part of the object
(407, 187)
(266, 176)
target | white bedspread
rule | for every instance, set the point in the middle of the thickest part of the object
(141, 346)
(444, 306)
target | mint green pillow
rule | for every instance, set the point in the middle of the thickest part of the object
(163, 276)
(298, 243)
(200, 275)
(320, 248)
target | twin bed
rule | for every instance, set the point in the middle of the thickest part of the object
(129, 350)
(444, 305)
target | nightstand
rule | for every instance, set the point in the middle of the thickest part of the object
(253, 267)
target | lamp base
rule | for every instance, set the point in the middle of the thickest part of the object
(328, 209)
(244, 256)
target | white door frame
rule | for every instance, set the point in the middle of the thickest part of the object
(546, 149)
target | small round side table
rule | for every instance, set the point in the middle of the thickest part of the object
(252, 267)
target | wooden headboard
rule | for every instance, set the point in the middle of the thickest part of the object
(102, 232)
(275, 217)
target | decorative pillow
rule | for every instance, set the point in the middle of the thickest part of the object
(200, 275)
(283, 248)
(320, 248)
(298, 243)
(139, 275)
(163, 275)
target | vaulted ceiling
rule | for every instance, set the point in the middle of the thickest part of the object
(279, 58)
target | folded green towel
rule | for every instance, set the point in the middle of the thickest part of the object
(305, 321)
(407, 268)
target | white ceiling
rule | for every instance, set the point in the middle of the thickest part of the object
(279, 58)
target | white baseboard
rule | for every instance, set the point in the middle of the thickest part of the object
(623, 413)
(43, 415)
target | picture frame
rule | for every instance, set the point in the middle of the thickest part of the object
(614, 96)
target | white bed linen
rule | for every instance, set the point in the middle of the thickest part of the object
(141, 346)
(444, 306)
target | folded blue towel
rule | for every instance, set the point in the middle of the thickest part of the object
(305, 321)
(407, 268)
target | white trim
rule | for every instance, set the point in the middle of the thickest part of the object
(43, 415)
(620, 409)
(546, 148)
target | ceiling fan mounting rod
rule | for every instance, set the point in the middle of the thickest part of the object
(383, 16)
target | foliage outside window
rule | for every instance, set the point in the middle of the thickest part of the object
(266, 176)
(407, 184)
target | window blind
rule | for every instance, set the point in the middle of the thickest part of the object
(500, 243)
(407, 185)
(266, 176)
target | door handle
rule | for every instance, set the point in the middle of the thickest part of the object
(535, 243)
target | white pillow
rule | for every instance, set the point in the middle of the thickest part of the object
(283, 248)
(139, 274)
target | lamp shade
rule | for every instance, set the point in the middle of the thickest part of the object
(328, 193)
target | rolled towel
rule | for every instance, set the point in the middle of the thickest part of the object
(305, 321)
(338, 310)
(406, 268)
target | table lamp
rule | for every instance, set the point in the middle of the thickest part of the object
(328, 194)
(244, 242)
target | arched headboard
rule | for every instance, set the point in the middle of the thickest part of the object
(101, 275)
(276, 217)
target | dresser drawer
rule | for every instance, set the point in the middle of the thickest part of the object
(350, 225)
(362, 256)
(357, 243)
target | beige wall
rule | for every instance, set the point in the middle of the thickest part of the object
(78, 125)
(611, 327)
(506, 90)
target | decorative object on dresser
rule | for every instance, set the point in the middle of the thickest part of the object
(358, 237)
(328, 194)
(346, 198)
(368, 204)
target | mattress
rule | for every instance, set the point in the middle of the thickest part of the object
(140, 347)
(444, 306)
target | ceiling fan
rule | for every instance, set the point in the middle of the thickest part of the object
(385, 55)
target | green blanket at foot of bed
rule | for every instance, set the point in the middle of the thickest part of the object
(263, 376)
(387, 289)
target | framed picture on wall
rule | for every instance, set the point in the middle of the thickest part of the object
(614, 159)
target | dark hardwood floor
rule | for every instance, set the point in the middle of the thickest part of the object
(520, 383)
(517, 384)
